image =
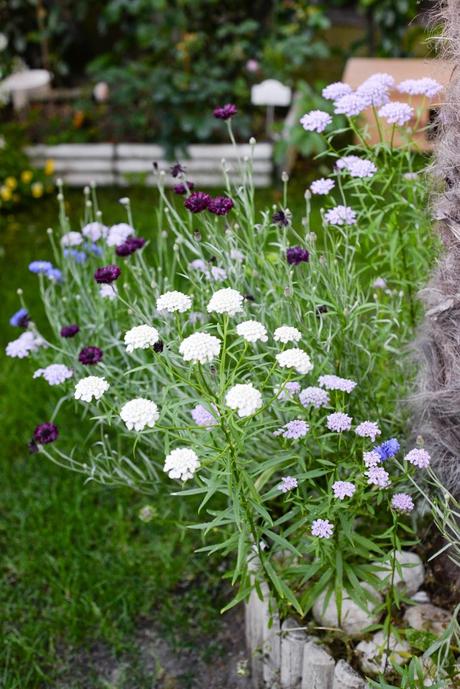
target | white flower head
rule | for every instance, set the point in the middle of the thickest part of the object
(141, 337)
(244, 398)
(90, 388)
(295, 358)
(119, 234)
(200, 348)
(139, 414)
(252, 331)
(286, 333)
(174, 301)
(108, 292)
(226, 300)
(94, 231)
(181, 463)
(71, 239)
(54, 374)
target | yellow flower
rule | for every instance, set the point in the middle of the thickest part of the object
(11, 182)
(5, 193)
(37, 190)
(49, 167)
(26, 176)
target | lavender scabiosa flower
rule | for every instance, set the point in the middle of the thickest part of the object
(108, 292)
(20, 319)
(46, 433)
(345, 162)
(287, 391)
(94, 231)
(387, 449)
(331, 382)
(107, 274)
(130, 246)
(54, 374)
(379, 283)
(314, 397)
(69, 330)
(322, 186)
(368, 429)
(71, 239)
(420, 87)
(336, 90)
(40, 267)
(340, 215)
(197, 202)
(287, 483)
(225, 112)
(183, 188)
(418, 458)
(23, 345)
(282, 217)
(89, 356)
(375, 90)
(396, 113)
(316, 121)
(322, 528)
(203, 417)
(296, 255)
(119, 233)
(371, 459)
(177, 170)
(377, 476)
(402, 502)
(293, 430)
(343, 489)
(220, 205)
(361, 168)
(351, 104)
(338, 422)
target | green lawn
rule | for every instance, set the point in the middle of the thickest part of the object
(78, 565)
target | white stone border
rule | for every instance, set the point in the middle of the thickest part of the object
(111, 164)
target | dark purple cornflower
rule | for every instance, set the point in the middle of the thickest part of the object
(177, 170)
(32, 447)
(129, 246)
(296, 255)
(322, 308)
(107, 274)
(45, 433)
(249, 297)
(90, 356)
(69, 330)
(197, 202)
(225, 112)
(183, 189)
(281, 218)
(158, 346)
(220, 205)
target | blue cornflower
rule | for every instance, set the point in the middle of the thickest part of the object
(54, 274)
(93, 248)
(79, 256)
(388, 449)
(20, 319)
(40, 266)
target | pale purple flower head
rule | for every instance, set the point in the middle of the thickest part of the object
(340, 215)
(387, 449)
(203, 417)
(350, 105)
(361, 168)
(217, 274)
(315, 397)
(336, 90)
(420, 87)
(316, 121)
(338, 422)
(343, 489)
(371, 459)
(287, 391)
(418, 458)
(54, 374)
(402, 502)
(322, 186)
(344, 162)
(293, 430)
(379, 283)
(23, 345)
(368, 429)
(287, 483)
(322, 528)
(396, 113)
(375, 89)
(377, 476)
(331, 382)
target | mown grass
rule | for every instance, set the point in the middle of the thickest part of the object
(78, 564)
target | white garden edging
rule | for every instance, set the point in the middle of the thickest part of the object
(111, 164)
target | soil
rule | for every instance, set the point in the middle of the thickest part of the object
(217, 662)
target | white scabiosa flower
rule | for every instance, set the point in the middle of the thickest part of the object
(94, 231)
(141, 337)
(139, 414)
(174, 301)
(200, 348)
(71, 239)
(181, 463)
(90, 388)
(252, 331)
(54, 374)
(286, 333)
(243, 398)
(226, 300)
(108, 292)
(295, 358)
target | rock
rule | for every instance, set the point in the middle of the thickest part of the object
(411, 577)
(372, 654)
(421, 597)
(354, 618)
(347, 678)
(428, 618)
(318, 667)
